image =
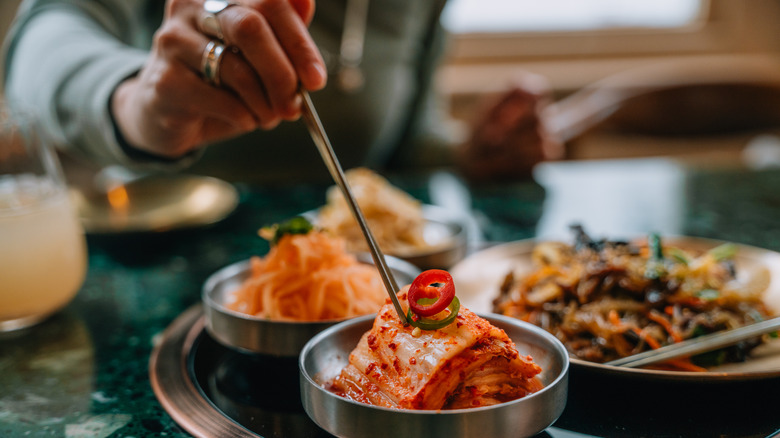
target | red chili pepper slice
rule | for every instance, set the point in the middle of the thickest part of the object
(434, 284)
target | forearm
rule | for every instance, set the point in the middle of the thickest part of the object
(63, 63)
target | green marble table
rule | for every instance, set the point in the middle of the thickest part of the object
(84, 372)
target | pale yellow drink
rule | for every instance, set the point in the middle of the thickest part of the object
(42, 252)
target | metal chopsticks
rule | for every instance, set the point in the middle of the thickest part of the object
(698, 345)
(326, 150)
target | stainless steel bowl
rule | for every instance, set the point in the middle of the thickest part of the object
(326, 354)
(445, 234)
(251, 334)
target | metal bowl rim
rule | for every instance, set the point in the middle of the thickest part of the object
(433, 214)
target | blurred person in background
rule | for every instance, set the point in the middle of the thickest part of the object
(212, 87)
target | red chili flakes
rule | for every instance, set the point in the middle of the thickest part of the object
(397, 365)
(412, 360)
(393, 346)
(372, 343)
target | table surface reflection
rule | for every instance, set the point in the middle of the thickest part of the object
(84, 372)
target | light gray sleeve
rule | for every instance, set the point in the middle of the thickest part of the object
(63, 60)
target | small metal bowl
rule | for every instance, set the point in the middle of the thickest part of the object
(446, 236)
(250, 334)
(326, 354)
(447, 239)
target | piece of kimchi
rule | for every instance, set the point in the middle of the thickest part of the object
(469, 363)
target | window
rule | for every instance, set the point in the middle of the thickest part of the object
(575, 42)
(491, 16)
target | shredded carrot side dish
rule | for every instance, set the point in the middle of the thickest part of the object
(309, 277)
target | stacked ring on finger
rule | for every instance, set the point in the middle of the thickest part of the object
(212, 57)
(209, 23)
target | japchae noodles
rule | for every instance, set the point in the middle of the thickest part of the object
(610, 299)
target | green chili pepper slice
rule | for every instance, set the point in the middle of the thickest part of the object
(433, 324)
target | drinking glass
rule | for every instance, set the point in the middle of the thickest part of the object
(42, 246)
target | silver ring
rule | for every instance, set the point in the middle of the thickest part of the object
(209, 24)
(212, 57)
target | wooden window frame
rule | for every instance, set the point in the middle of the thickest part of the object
(479, 63)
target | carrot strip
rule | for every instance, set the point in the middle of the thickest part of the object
(666, 324)
(303, 278)
(684, 365)
(614, 318)
(647, 338)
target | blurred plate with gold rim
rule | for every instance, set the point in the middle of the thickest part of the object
(156, 203)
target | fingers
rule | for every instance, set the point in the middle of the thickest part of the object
(269, 53)
(274, 40)
(294, 37)
(188, 93)
(239, 76)
(174, 74)
(174, 97)
(180, 43)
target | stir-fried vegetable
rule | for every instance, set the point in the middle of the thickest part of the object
(610, 299)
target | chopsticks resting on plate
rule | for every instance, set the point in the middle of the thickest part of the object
(326, 150)
(702, 344)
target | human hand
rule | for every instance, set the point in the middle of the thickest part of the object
(511, 136)
(169, 108)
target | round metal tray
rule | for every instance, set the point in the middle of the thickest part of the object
(214, 391)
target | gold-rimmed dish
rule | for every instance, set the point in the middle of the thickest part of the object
(255, 335)
(156, 203)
